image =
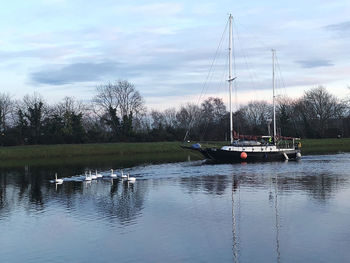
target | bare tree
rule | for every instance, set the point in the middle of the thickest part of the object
(106, 97)
(29, 101)
(69, 104)
(6, 108)
(213, 110)
(188, 116)
(213, 123)
(121, 107)
(170, 117)
(346, 102)
(317, 107)
(121, 96)
(255, 116)
(285, 116)
(157, 119)
(129, 98)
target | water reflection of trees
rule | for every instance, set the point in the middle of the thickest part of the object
(31, 190)
(18, 186)
(213, 184)
(126, 200)
(319, 186)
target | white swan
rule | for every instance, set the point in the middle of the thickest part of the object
(131, 179)
(124, 176)
(112, 174)
(58, 181)
(87, 178)
(98, 175)
(93, 177)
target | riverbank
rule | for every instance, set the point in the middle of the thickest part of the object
(125, 154)
(138, 150)
(325, 146)
(86, 150)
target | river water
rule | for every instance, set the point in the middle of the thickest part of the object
(179, 212)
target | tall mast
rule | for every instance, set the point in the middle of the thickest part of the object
(230, 79)
(273, 93)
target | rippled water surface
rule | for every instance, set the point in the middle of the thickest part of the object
(179, 212)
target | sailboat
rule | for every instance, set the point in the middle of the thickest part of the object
(251, 148)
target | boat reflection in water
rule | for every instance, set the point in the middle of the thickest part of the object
(235, 213)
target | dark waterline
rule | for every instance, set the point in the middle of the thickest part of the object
(179, 212)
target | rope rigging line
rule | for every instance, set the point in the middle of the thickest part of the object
(220, 87)
(205, 84)
(252, 76)
(258, 39)
(223, 79)
(280, 76)
(280, 79)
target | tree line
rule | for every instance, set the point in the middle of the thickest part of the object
(117, 113)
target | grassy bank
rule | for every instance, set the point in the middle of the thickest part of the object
(86, 150)
(325, 146)
(131, 150)
(124, 154)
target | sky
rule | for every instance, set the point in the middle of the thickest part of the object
(62, 48)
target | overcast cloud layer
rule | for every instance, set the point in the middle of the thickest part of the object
(65, 48)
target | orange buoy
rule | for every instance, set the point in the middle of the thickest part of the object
(244, 155)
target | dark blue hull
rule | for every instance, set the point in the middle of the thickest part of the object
(223, 156)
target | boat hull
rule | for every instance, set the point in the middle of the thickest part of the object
(223, 156)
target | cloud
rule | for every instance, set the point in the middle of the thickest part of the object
(315, 63)
(163, 63)
(78, 72)
(340, 27)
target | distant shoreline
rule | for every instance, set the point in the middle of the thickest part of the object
(131, 150)
(325, 146)
(88, 150)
